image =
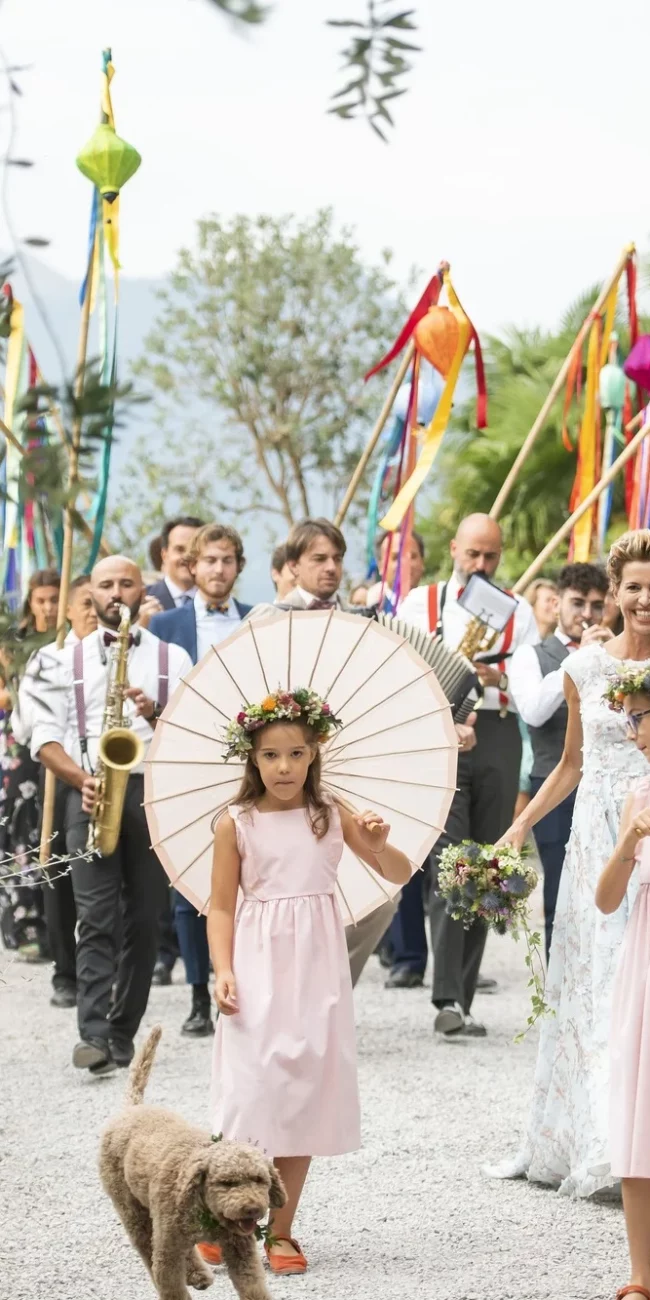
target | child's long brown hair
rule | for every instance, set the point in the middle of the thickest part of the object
(252, 787)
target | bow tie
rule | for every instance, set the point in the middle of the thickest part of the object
(322, 604)
(573, 645)
(218, 609)
(110, 637)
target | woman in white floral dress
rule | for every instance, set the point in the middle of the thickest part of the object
(567, 1142)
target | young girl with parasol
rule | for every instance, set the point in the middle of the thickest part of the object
(284, 1073)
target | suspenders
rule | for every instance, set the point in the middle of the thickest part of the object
(80, 701)
(436, 598)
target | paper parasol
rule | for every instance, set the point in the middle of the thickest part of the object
(396, 751)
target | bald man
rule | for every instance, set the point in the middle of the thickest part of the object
(127, 890)
(487, 781)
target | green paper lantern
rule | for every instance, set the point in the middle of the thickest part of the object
(612, 387)
(108, 161)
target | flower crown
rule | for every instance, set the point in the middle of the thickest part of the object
(627, 683)
(300, 705)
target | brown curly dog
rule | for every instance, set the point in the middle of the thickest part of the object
(172, 1186)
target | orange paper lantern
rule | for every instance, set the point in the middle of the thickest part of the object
(436, 337)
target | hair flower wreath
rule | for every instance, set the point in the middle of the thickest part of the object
(300, 705)
(627, 683)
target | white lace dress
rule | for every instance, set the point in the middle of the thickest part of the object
(566, 1143)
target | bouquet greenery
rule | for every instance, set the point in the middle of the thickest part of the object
(492, 884)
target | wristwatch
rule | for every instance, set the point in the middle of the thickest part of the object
(157, 712)
(503, 682)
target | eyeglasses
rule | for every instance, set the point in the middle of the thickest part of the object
(633, 721)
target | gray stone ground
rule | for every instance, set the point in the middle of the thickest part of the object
(410, 1215)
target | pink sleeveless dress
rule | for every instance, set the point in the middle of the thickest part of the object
(630, 1032)
(284, 1072)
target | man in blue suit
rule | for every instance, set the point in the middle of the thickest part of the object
(215, 560)
(176, 587)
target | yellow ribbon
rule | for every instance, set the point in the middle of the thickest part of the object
(435, 433)
(14, 360)
(587, 449)
(13, 371)
(610, 313)
(111, 211)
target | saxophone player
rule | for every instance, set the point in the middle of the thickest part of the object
(488, 777)
(126, 890)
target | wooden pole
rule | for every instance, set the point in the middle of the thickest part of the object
(375, 435)
(529, 440)
(534, 568)
(634, 422)
(73, 448)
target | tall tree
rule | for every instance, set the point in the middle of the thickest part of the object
(256, 370)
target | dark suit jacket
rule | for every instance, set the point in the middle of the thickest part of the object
(162, 593)
(178, 626)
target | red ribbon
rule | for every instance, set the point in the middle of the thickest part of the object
(429, 299)
(481, 387)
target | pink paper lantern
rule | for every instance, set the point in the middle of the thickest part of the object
(637, 366)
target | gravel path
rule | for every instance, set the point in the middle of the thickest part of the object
(410, 1215)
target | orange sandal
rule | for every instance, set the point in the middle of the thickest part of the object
(211, 1254)
(288, 1263)
(632, 1290)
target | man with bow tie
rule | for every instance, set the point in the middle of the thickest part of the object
(215, 559)
(537, 686)
(488, 776)
(127, 890)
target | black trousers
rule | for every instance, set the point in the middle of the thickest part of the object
(168, 951)
(482, 809)
(551, 837)
(407, 935)
(59, 904)
(129, 887)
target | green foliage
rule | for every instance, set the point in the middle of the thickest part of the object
(255, 366)
(375, 60)
(244, 11)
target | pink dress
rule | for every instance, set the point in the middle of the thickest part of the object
(630, 1032)
(284, 1068)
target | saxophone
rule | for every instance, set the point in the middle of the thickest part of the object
(119, 750)
(479, 637)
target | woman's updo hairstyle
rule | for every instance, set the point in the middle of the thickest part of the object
(631, 547)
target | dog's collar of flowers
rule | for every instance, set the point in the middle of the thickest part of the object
(300, 705)
(627, 683)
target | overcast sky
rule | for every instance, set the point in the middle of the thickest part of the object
(520, 154)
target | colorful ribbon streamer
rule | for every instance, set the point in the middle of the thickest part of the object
(434, 434)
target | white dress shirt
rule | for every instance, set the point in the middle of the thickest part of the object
(537, 697)
(178, 594)
(22, 718)
(414, 609)
(53, 704)
(213, 628)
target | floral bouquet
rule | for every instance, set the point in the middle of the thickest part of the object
(494, 885)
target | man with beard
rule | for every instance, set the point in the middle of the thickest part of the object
(537, 686)
(488, 776)
(68, 712)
